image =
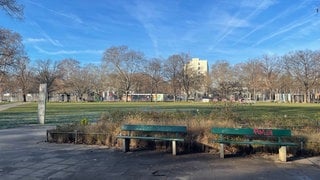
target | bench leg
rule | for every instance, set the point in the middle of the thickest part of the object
(283, 153)
(174, 148)
(48, 136)
(221, 150)
(126, 145)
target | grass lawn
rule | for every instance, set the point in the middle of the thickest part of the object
(57, 113)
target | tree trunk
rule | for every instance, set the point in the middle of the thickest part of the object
(24, 97)
(127, 94)
(306, 95)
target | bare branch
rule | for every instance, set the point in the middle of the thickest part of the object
(12, 8)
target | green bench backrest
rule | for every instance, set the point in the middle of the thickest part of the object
(251, 132)
(154, 128)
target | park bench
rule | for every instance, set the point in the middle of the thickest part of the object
(152, 133)
(249, 136)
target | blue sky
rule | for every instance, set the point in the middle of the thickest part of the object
(232, 30)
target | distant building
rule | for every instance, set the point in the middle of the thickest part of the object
(148, 97)
(199, 66)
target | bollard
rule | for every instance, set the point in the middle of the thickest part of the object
(174, 148)
(221, 150)
(42, 103)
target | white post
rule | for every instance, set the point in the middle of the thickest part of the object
(221, 150)
(42, 103)
(283, 153)
(174, 148)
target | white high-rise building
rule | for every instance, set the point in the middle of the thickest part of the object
(199, 66)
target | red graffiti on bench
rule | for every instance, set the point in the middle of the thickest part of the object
(263, 132)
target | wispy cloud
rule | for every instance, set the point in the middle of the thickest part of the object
(52, 41)
(302, 37)
(70, 16)
(34, 40)
(279, 16)
(149, 15)
(210, 29)
(262, 4)
(235, 22)
(46, 37)
(257, 5)
(230, 25)
(289, 27)
(68, 52)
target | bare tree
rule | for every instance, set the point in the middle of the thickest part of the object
(11, 50)
(270, 73)
(124, 63)
(79, 84)
(223, 77)
(154, 70)
(80, 81)
(87, 80)
(304, 67)
(286, 83)
(141, 83)
(24, 77)
(250, 75)
(97, 80)
(208, 85)
(67, 68)
(173, 67)
(113, 85)
(47, 72)
(12, 8)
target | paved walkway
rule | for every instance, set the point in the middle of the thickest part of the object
(10, 105)
(24, 154)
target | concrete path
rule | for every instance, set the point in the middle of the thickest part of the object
(10, 105)
(24, 154)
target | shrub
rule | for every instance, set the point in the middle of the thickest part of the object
(84, 122)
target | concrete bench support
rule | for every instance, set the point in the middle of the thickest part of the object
(221, 150)
(174, 148)
(126, 145)
(283, 153)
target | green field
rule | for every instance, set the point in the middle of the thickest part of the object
(290, 115)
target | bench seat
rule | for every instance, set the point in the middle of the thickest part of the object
(249, 136)
(151, 138)
(159, 132)
(257, 142)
